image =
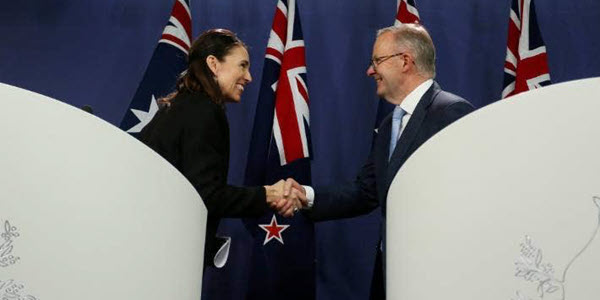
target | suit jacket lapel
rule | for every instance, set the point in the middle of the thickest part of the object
(410, 132)
(383, 143)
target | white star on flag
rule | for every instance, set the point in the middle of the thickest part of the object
(144, 117)
(273, 230)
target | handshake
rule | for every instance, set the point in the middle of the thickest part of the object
(286, 197)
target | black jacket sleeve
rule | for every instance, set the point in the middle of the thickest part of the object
(204, 156)
(193, 135)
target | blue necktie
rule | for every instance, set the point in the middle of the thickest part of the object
(396, 123)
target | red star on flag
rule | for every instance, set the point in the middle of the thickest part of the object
(273, 230)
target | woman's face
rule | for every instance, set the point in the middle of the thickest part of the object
(233, 73)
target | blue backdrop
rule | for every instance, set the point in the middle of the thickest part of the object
(95, 53)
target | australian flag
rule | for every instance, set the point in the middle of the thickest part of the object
(526, 64)
(283, 257)
(168, 61)
(407, 13)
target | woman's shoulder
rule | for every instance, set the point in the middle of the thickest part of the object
(191, 107)
(195, 100)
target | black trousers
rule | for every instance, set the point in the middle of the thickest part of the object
(377, 283)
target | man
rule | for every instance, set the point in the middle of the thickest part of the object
(403, 66)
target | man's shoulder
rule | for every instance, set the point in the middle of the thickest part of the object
(447, 98)
(443, 100)
(447, 107)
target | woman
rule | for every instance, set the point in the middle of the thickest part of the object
(191, 130)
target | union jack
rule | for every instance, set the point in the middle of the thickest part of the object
(526, 64)
(407, 12)
(167, 62)
(291, 118)
(280, 148)
(178, 31)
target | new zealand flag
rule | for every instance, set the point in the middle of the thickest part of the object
(168, 61)
(283, 257)
(526, 64)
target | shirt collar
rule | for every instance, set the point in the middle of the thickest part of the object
(410, 102)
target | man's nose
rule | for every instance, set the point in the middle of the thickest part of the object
(371, 70)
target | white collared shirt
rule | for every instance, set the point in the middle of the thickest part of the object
(410, 102)
(408, 105)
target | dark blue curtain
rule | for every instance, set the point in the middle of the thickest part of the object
(95, 53)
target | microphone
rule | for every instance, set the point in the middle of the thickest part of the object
(88, 109)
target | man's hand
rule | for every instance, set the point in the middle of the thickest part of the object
(292, 192)
(291, 184)
(286, 197)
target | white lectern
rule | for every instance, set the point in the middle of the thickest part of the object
(88, 212)
(503, 204)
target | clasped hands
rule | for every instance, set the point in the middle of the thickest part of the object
(286, 197)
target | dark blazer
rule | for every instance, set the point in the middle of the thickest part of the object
(193, 135)
(436, 110)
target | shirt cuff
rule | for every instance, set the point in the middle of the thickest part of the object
(310, 196)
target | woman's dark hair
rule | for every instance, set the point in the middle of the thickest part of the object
(198, 77)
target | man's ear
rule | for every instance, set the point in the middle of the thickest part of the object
(407, 62)
(213, 64)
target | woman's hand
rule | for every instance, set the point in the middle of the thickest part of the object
(285, 197)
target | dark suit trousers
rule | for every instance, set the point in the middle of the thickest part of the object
(377, 283)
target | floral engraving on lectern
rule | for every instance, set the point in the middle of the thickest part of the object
(9, 233)
(11, 290)
(531, 267)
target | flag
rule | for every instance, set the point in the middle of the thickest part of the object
(282, 265)
(167, 62)
(407, 13)
(526, 64)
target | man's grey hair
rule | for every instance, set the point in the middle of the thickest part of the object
(415, 38)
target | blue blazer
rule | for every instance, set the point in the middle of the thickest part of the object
(436, 110)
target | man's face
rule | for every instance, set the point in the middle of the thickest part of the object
(386, 68)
